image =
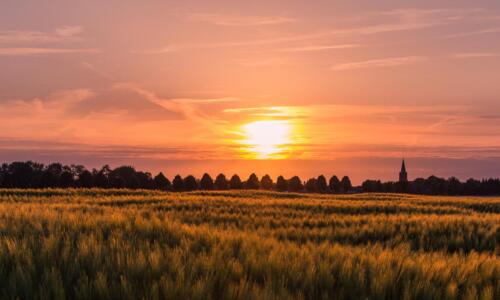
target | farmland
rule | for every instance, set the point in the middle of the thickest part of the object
(133, 244)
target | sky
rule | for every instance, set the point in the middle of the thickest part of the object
(278, 87)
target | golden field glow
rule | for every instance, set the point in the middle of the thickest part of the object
(267, 139)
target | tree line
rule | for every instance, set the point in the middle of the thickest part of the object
(434, 185)
(56, 175)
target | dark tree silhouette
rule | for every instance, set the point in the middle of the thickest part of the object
(67, 178)
(145, 180)
(454, 186)
(266, 182)
(85, 179)
(51, 175)
(35, 175)
(472, 187)
(221, 182)
(321, 184)
(235, 183)
(178, 183)
(334, 184)
(127, 176)
(311, 185)
(23, 175)
(372, 186)
(281, 184)
(346, 184)
(252, 182)
(206, 182)
(295, 184)
(101, 177)
(190, 183)
(3, 172)
(117, 182)
(162, 182)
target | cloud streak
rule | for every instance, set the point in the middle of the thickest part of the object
(233, 20)
(311, 48)
(473, 33)
(399, 21)
(60, 34)
(44, 51)
(475, 55)
(380, 63)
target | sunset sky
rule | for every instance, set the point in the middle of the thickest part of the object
(278, 87)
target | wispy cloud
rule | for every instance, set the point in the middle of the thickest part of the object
(60, 34)
(473, 33)
(44, 51)
(310, 48)
(263, 62)
(90, 67)
(162, 50)
(475, 55)
(394, 21)
(236, 20)
(380, 63)
(66, 31)
(206, 101)
(365, 30)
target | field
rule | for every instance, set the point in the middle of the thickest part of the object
(122, 244)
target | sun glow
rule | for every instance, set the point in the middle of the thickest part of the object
(267, 139)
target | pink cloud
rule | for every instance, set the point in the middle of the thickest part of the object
(380, 63)
(239, 20)
(45, 51)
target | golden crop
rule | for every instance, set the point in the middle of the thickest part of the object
(123, 244)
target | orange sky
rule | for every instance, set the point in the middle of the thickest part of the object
(356, 84)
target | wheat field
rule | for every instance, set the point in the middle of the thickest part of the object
(124, 244)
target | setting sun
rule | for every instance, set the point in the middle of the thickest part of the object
(267, 139)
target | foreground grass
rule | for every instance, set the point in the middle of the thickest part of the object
(118, 244)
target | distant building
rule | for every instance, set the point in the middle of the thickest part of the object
(403, 176)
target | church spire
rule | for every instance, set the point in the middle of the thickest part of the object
(403, 176)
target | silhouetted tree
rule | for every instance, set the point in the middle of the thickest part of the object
(370, 186)
(295, 184)
(235, 183)
(85, 179)
(206, 182)
(145, 180)
(77, 170)
(266, 182)
(51, 175)
(346, 184)
(281, 184)
(3, 171)
(418, 186)
(67, 178)
(334, 184)
(454, 186)
(472, 187)
(221, 182)
(101, 177)
(178, 183)
(35, 175)
(23, 175)
(321, 185)
(311, 185)
(162, 182)
(436, 185)
(129, 177)
(252, 182)
(190, 183)
(117, 182)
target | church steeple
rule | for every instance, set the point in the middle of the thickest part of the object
(403, 176)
